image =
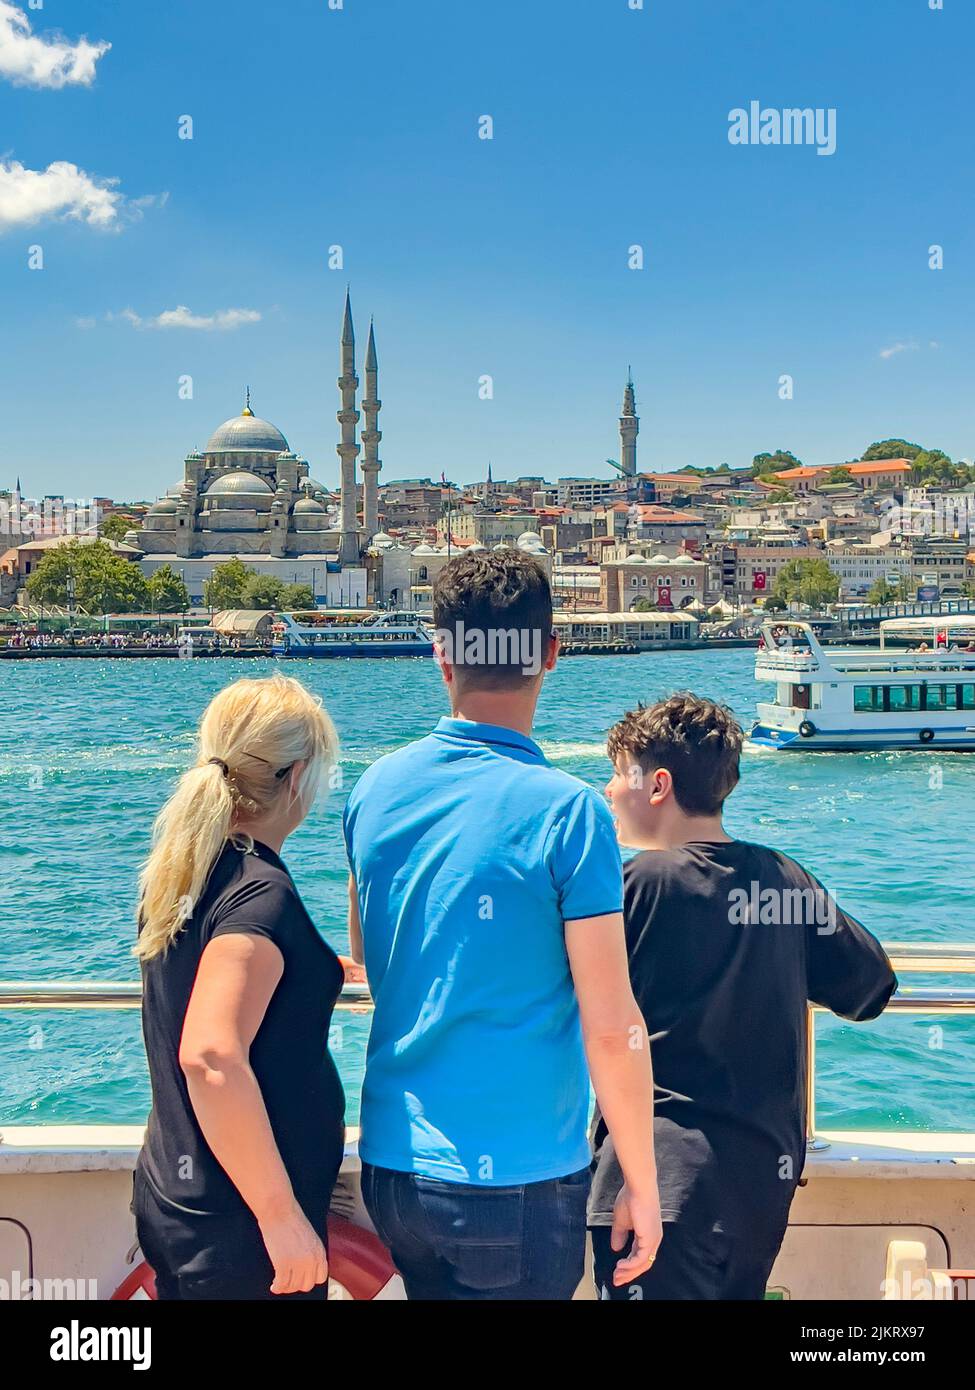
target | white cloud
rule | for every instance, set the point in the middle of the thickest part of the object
(220, 321)
(895, 348)
(61, 190)
(52, 61)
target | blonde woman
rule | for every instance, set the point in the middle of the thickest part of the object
(246, 1131)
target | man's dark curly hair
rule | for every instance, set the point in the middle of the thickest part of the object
(698, 742)
(494, 591)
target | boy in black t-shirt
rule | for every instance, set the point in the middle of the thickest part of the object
(727, 942)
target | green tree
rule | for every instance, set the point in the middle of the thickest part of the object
(891, 449)
(262, 591)
(773, 604)
(167, 592)
(839, 474)
(115, 527)
(883, 591)
(933, 466)
(295, 596)
(103, 581)
(781, 494)
(774, 463)
(807, 581)
(225, 587)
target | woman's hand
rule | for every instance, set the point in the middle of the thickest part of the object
(642, 1217)
(298, 1256)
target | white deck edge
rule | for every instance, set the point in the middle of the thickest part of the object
(851, 1153)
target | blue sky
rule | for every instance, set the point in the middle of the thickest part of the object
(358, 127)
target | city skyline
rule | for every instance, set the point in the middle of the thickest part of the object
(504, 258)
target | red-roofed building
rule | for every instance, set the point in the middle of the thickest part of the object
(878, 475)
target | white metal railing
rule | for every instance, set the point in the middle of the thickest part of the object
(921, 958)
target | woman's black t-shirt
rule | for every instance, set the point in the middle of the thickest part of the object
(249, 892)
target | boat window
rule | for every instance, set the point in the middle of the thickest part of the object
(941, 697)
(868, 697)
(904, 697)
(966, 697)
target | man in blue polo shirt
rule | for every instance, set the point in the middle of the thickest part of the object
(486, 903)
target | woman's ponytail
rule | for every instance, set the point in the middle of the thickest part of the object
(251, 732)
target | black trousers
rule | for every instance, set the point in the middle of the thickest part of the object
(210, 1256)
(691, 1264)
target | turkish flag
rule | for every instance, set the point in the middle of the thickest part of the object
(758, 580)
(663, 596)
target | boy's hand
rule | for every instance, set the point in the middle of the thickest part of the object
(354, 974)
(641, 1215)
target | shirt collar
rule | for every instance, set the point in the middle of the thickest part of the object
(473, 732)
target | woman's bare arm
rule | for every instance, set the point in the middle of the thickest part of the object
(235, 981)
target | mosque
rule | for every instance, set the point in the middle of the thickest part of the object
(246, 493)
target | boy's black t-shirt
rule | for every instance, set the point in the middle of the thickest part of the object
(727, 942)
(249, 892)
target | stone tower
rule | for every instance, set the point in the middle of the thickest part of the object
(629, 429)
(348, 449)
(371, 435)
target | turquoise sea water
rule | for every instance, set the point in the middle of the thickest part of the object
(89, 749)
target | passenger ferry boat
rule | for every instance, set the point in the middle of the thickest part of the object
(317, 634)
(870, 697)
(878, 1215)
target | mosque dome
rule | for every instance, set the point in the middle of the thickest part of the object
(309, 505)
(477, 546)
(424, 549)
(248, 434)
(529, 538)
(635, 559)
(165, 505)
(239, 484)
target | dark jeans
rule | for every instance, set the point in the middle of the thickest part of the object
(456, 1241)
(690, 1264)
(209, 1256)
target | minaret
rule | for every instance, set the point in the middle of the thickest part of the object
(371, 405)
(629, 429)
(348, 449)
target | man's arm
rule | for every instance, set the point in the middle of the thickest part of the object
(618, 1051)
(355, 923)
(847, 969)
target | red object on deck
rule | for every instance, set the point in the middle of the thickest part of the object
(357, 1259)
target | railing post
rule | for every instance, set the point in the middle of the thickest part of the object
(813, 1144)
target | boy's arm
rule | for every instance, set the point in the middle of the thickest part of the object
(847, 969)
(618, 1051)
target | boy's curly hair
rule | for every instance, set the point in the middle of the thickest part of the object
(698, 741)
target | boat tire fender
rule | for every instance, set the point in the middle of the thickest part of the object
(807, 728)
(926, 735)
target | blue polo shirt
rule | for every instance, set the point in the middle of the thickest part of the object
(470, 853)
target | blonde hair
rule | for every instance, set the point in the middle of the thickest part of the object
(249, 737)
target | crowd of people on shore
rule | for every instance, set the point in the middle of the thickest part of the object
(19, 640)
(513, 962)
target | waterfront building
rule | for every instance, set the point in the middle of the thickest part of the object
(859, 566)
(664, 581)
(750, 571)
(641, 630)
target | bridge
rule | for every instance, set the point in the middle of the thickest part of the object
(872, 614)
